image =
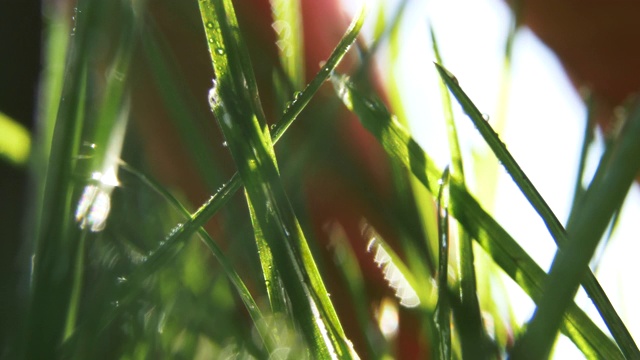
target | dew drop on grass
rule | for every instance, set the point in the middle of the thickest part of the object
(213, 95)
(224, 144)
(211, 41)
(209, 25)
(296, 95)
(272, 127)
(485, 117)
(220, 51)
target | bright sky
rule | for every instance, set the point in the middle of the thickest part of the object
(544, 129)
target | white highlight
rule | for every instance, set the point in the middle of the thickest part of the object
(392, 273)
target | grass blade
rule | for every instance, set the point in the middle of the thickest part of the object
(595, 292)
(443, 308)
(480, 225)
(468, 316)
(605, 195)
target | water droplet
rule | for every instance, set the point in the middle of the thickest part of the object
(213, 95)
(288, 105)
(272, 127)
(224, 144)
(485, 117)
(209, 25)
(121, 279)
(296, 95)
(220, 51)
(211, 41)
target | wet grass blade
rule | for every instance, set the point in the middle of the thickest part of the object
(590, 283)
(585, 228)
(443, 308)
(287, 25)
(481, 226)
(468, 316)
(236, 105)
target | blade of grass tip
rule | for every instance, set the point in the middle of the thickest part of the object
(585, 229)
(473, 334)
(590, 283)
(481, 226)
(287, 25)
(252, 150)
(218, 200)
(443, 307)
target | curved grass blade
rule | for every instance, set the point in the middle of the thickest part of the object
(605, 195)
(595, 292)
(236, 105)
(480, 225)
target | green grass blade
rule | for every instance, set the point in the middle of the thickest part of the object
(287, 25)
(480, 225)
(604, 196)
(443, 308)
(236, 105)
(609, 315)
(468, 315)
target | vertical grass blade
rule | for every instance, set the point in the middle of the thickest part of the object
(443, 308)
(467, 313)
(287, 17)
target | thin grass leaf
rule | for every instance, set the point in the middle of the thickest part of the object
(468, 315)
(604, 196)
(590, 283)
(287, 25)
(480, 225)
(236, 105)
(443, 308)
